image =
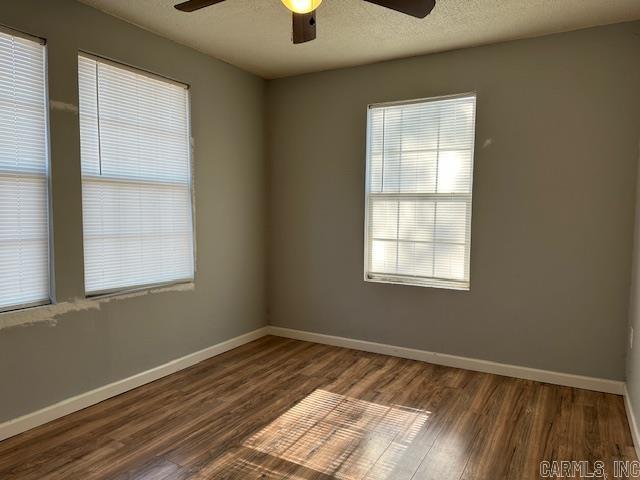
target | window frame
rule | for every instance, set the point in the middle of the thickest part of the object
(48, 176)
(415, 280)
(110, 292)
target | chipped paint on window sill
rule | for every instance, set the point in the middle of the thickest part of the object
(49, 313)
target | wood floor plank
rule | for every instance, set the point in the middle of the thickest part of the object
(507, 423)
(285, 409)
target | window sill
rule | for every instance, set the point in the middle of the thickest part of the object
(442, 284)
(24, 306)
(175, 286)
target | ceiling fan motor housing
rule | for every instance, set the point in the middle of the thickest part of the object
(304, 27)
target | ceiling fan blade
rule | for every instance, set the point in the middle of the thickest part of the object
(193, 5)
(415, 8)
(304, 27)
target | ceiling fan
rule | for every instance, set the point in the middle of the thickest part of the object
(304, 12)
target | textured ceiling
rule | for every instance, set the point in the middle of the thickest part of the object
(255, 35)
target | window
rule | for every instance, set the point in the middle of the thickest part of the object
(418, 192)
(24, 173)
(136, 178)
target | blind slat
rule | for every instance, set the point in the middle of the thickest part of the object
(419, 189)
(24, 196)
(136, 178)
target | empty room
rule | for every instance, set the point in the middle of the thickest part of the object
(319, 239)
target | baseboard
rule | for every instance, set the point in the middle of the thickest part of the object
(65, 407)
(546, 376)
(633, 425)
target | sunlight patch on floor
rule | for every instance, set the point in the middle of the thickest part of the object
(345, 437)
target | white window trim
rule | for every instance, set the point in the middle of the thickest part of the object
(26, 36)
(187, 283)
(51, 298)
(416, 281)
(136, 70)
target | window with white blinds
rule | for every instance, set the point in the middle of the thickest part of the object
(136, 178)
(24, 173)
(418, 192)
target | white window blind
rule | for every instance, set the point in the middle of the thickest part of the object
(24, 173)
(418, 192)
(136, 178)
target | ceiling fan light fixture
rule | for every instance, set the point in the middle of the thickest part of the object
(302, 6)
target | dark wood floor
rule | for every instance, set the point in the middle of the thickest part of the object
(278, 408)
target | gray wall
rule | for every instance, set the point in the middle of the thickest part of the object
(633, 352)
(42, 364)
(556, 148)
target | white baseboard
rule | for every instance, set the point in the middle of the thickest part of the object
(546, 376)
(633, 425)
(65, 407)
(70, 405)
